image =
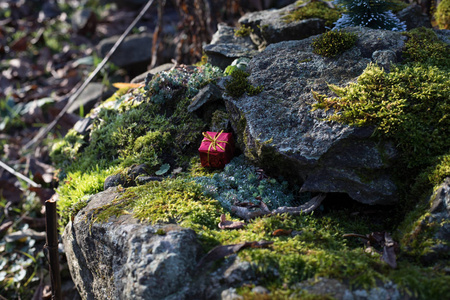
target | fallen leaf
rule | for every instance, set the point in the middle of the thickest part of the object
(224, 224)
(20, 44)
(282, 232)
(121, 85)
(389, 256)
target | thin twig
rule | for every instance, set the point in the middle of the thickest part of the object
(52, 246)
(19, 175)
(45, 130)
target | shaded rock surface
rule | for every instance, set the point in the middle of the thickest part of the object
(122, 259)
(278, 128)
(93, 93)
(135, 49)
(269, 27)
(440, 219)
(226, 47)
(413, 17)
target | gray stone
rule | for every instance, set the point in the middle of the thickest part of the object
(440, 219)
(83, 126)
(226, 47)
(230, 294)
(207, 95)
(413, 17)
(278, 129)
(135, 49)
(269, 27)
(84, 21)
(384, 58)
(88, 98)
(260, 290)
(125, 259)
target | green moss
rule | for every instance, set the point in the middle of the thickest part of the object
(65, 151)
(424, 46)
(131, 128)
(243, 31)
(410, 104)
(313, 9)
(239, 84)
(333, 42)
(442, 14)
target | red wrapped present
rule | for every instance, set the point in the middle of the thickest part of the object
(216, 149)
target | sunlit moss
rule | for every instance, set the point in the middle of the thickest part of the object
(243, 31)
(314, 9)
(442, 14)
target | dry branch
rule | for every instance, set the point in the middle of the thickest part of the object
(52, 247)
(307, 208)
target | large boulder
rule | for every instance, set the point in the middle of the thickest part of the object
(122, 259)
(278, 128)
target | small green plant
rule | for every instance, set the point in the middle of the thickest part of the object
(243, 31)
(239, 183)
(442, 14)
(333, 42)
(313, 9)
(239, 84)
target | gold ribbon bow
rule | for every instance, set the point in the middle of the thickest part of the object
(214, 142)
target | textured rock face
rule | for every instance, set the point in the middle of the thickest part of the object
(122, 259)
(125, 259)
(133, 50)
(440, 215)
(278, 128)
(269, 27)
(226, 47)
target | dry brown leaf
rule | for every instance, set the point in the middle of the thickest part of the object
(282, 232)
(224, 224)
(121, 85)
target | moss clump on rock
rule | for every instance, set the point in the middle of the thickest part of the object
(410, 104)
(333, 42)
(424, 46)
(243, 31)
(314, 9)
(239, 84)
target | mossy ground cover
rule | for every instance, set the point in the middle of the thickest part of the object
(409, 105)
(151, 126)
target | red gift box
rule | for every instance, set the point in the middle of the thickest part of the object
(216, 149)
